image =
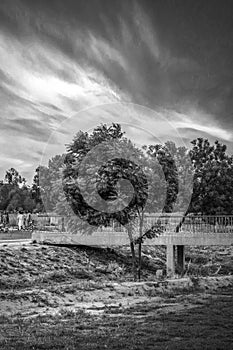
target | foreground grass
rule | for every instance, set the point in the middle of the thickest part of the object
(207, 326)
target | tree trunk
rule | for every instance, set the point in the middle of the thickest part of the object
(140, 246)
(178, 227)
(134, 264)
(139, 259)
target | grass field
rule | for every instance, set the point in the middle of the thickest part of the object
(206, 325)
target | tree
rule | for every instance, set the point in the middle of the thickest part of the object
(166, 160)
(211, 171)
(44, 190)
(105, 179)
(13, 177)
(4, 195)
(20, 197)
(213, 178)
(14, 193)
(35, 191)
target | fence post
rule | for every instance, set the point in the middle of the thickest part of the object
(62, 224)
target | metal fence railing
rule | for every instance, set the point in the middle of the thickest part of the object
(172, 224)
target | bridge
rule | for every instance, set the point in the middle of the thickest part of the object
(177, 232)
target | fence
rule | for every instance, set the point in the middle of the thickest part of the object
(170, 224)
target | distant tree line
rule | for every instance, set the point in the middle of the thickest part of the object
(16, 194)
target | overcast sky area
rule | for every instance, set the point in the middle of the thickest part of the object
(60, 57)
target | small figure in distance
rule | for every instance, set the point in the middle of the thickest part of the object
(20, 218)
(28, 220)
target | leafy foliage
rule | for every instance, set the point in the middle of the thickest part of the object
(44, 187)
(213, 178)
(14, 193)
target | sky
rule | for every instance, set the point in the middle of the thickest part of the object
(164, 69)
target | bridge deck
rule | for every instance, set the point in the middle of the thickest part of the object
(116, 239)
